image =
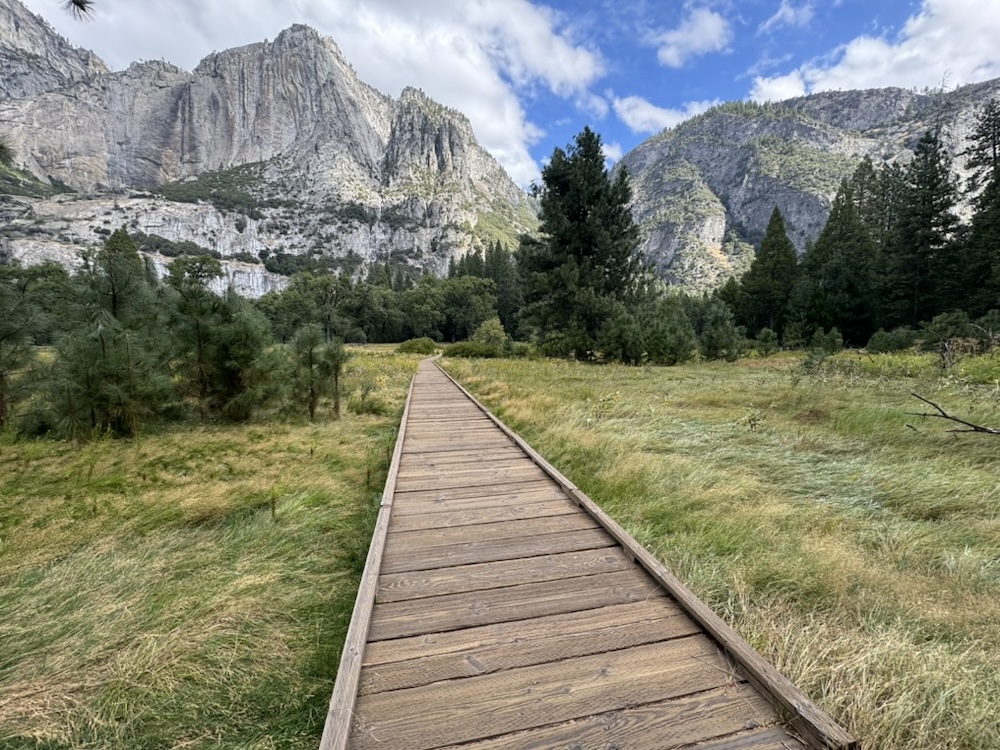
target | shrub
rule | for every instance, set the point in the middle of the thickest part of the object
(767, 342)
(423, 345)
(897, 340)
(473, 349)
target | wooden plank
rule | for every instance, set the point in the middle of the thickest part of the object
(415, 542)
(482, 475)
(537, 641)
(665, 725)
(471, 609)
(540, 489)
(818, 729)
(437, 446)
(467, 553)
(467, 465)
(489, 705)
(449, 458)
(443, 519)
(469, 639)
(336, 729)
(397, 587)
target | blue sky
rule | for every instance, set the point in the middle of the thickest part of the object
(531, 75)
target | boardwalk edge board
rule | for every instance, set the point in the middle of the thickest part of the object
(337, 728)
(804, 716)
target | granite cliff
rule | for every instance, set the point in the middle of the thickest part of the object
(272, 149)
(704, 190)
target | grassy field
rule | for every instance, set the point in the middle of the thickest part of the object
(191, 588)
(855, 545)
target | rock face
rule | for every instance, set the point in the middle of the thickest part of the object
(320, 163)
(704, 191)
(34, 59)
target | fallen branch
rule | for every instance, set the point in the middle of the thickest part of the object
(942, 414)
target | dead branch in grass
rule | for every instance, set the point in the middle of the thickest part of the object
(942, 414)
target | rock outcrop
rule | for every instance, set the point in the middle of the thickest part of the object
(317, 162)
(704, 191)
(34, 59)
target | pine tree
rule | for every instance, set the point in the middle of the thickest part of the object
(922, 262)
(840, 264)
(197, 315)
(766, 286)
(982, 259)
(719, 338)
(584, 265)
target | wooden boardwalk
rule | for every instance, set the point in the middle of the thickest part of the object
(501, 609)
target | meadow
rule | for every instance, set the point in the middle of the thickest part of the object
(190, 587)
(854, 544)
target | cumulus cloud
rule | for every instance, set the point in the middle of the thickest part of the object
(701, 32)
(612, 152)
(642, 116)
(478, 56)
(788, 15)
(950, 41)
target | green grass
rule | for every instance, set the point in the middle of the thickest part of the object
(191, 588)
(857, 546)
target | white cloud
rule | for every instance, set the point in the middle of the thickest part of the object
(478, 56)
(701, 32)
(642, 116)
(778, 88)
(951, 41)
(788, 15)
(612, 152)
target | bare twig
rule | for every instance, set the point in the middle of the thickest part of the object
(942, 414)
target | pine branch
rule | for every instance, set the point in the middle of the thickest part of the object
(79, 8)
(942, 414)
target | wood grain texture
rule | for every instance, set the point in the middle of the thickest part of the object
(536, 641)
(467, 553)
(441, 518)
(489, 705)
(665, 725)
(453, 611)
(396, 587)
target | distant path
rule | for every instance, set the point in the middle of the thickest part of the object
(500, 609)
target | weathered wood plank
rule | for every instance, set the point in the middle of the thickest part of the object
(481, 475)
(537, 641)
(489, 705)
(416, 542)
(471, 609)
(474, 465)
(540, 489)
(440, 518)
(396, 587)
(467, 553)
(665, 725)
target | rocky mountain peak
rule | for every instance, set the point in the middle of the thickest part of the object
(274, 151)
(35, 59)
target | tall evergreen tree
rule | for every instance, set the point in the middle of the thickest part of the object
(584, 265)
(766, 286)
(196, 318)
(841, 266)
(922, 263)
(982, 260)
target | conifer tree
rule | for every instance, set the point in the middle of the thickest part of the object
(922, 260)
(18, 319)
(841, 265)
(982, 260)
(584, 264)
(766, 286)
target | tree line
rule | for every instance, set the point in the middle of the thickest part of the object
(894, 262)
(124, 348)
